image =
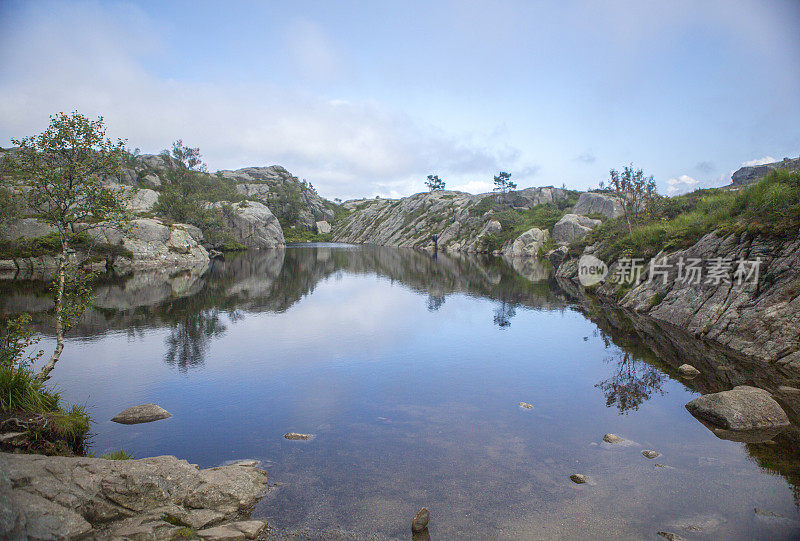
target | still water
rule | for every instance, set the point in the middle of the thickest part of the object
(409, 369)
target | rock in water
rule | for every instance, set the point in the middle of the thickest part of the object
(670, 536)
(688, 371)
(296, 436)
(143, 413)
(525, 405)
(421, 519)
(579, 478)
(742, 408)
(650, 454)
(612, 438)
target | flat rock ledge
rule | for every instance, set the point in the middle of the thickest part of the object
(741, 408)
(43, 497)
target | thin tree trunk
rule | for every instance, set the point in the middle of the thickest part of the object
(44, 375)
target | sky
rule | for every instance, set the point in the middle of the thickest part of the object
(368, 98)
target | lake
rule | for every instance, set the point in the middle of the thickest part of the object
(408, 369)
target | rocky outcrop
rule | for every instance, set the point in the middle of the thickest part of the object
(757, 318)
(283, 192)
(751, 173)
(573, 227)
(528, 244)
(323, 227)
(152, 498)
(590, 203)
(151, 244)
(447, 220)
(254, 226)
(28, 228)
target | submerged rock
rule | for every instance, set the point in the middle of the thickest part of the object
(671, 536)
(688, 371)
(420, 520)
(43, 497)
(613, 438)
(143, 413)
(297, 436)
(742, 408)
(579, 478)
(650, 454)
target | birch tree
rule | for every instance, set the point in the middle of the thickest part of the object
(60, 173)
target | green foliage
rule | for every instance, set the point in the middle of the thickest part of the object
(503, 183)
(17, 337)
(21, 391)
(62, 169)
(483, 206)
(770, 207)
(121, 454)
(296, 234)
(434, 183)
(636, 192)
(50, 426)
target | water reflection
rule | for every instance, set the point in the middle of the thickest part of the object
(430, 392)
(632, 382)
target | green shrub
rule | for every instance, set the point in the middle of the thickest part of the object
(121, 454)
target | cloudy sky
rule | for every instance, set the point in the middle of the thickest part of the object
(367, 98)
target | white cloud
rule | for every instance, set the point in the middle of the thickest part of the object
(682, 184)
(90, 58)
(759, 161)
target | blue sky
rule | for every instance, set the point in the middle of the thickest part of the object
(367, 98)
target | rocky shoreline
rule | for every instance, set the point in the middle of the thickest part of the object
(53, 497)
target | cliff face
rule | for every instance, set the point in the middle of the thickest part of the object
(759, 319)
(455, 221)
(750, 174)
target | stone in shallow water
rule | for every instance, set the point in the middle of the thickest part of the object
(579, 478)
(670, 536)
(688, 371)
(650, 454)
(525, 405)
(742, 408)
(297, 436)
(612, 438)
(420, 520)
(143, 413)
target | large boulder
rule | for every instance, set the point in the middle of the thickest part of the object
(742, 408)
(143, 413)
(323, 227)
(75, 497)
(572, 227)
(143, 200)
(151, 244)
(528, 244)
(254, 225)
(598, 203)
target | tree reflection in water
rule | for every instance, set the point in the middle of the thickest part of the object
(190, 337)
(504, 313)
(435, 301)
(633, 382)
